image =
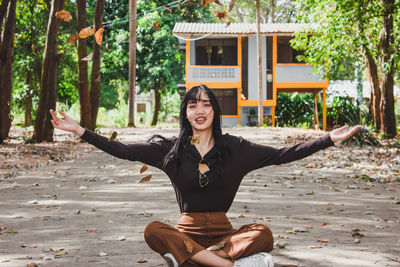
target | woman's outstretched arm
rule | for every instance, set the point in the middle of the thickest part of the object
(151, 153)
(66, 124)
(343, 133)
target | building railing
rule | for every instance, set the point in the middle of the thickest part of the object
(296, 73)
(213, 74)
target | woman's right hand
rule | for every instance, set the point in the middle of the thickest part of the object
(66, 124)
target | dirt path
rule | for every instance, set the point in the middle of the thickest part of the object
(339, 207)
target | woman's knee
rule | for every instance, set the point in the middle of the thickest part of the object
(152, 230)
(264, 236)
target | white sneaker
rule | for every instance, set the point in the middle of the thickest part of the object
(261, 259)
(169, 258)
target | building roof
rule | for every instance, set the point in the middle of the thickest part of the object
(186, 28)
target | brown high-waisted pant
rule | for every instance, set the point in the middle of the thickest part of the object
(199, 230)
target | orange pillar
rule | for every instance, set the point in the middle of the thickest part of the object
(324, 109)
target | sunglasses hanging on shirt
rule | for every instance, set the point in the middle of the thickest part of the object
(203, 173)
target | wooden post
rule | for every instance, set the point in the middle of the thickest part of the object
(260, 92)
(316, 123)
(132, 62)
(324, 109)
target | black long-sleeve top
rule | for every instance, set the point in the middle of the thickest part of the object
(240, 157)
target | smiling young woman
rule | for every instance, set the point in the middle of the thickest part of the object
(205, 169)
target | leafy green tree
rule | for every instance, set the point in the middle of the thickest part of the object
(160, 63)
(356, 31)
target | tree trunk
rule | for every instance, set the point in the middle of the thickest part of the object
(388, 121)
(6, 64)
(95, 77)
(49, 77)
(3, 11)
(372, 73)
(132, 62)
(157, 96)
(83, 78)
(273, 4)
(28, 99)
(51, 99)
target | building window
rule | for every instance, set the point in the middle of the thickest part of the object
(216, 52)
(227, 100)
(286, 54)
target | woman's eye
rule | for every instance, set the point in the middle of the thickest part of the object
(192, 106)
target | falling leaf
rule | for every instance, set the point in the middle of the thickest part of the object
(155, 24)
(231, 5)
(195, 140)
(92, 230)
(99, 36)
(142, 260)
(217, 247)
(242, 96)
(203, 168)
(204, 3)
(113, 136)
(107, 46)
(86, 32)
(64, 15)
(189, 246)
(88, 57)
(221, 15)
(179, 4)
(146, 179)
(143, 169)
(167, 9)
(73, 38)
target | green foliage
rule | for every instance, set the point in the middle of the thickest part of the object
(295, 110)
(347, 29)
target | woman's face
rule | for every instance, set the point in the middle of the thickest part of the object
(200, 113)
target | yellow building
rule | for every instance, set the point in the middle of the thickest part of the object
(225, 59)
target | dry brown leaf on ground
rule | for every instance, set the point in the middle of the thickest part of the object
(64, 15)
(56, 249)
(73, 38)
(92, 230)
(143, 169)
(313, 247)
(323, 240)
(142, 260)
(146, 179)
(189, 246)
(86, 32)
(99, 36)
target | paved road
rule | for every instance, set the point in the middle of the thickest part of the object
(91, 211)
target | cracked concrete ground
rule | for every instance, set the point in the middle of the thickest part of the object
(91, 211)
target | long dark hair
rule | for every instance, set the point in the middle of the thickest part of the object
(186, 131)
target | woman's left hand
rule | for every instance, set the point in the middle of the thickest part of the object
(343, 133)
